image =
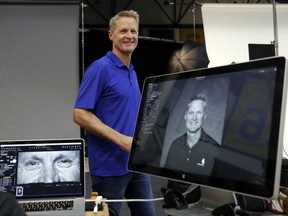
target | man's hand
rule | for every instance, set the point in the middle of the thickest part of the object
(127, 143)
(87, 120)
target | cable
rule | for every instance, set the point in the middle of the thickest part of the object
(244, 212)
(239, 211)
(99, 200)
(133, 200)
(235, 199)
(190, 189)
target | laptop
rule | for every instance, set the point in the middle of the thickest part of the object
(46, 170)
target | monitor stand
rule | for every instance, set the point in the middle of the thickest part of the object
(210, 199)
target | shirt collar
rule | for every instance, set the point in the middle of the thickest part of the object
(117, 61)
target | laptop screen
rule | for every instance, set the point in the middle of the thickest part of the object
(219, 127)
(42, 168)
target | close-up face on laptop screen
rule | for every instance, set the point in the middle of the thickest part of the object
(48, 167)
(218, 127)
(42, 168)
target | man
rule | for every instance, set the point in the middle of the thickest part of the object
(107, 108)
(48, 167)
(195, 151)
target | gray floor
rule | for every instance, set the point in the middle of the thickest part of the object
(157, 184)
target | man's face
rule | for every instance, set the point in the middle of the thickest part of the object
(48, 167)
(195, 115)
(125, 35)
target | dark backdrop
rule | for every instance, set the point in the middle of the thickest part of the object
(150, 58)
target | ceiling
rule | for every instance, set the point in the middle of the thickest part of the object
(153, 13)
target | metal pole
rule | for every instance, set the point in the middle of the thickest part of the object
(194, 21)
(275, 27)
(82, 35)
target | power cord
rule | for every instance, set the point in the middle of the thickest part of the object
(172, 199)
(133, 200)
(240, 212)
(99, 200)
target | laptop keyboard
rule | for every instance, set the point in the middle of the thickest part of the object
(48, 205)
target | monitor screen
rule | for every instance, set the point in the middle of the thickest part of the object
(218, 127)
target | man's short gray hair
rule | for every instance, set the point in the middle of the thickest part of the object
(201, 97)
(126, 13)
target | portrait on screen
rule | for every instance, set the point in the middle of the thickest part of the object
(211, 122)
(162, 117)
(48, 167)
(195, 126)
(194, 149)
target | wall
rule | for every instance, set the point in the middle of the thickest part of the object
(39, 66)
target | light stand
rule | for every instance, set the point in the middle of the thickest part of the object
(275, 27)
(193, 10)
(83, 5)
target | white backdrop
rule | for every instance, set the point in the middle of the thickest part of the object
(229, 28)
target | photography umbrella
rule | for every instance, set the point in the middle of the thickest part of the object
(190, 56)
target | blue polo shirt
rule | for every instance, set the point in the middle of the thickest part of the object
(110, 91)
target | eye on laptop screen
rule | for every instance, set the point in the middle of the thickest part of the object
(219, 127)
(42, 168)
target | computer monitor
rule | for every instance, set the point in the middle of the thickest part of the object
(244, 121)
(257, 51)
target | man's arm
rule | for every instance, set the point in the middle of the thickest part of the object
(87, 120)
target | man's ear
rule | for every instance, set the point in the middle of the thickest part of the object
(110, 34)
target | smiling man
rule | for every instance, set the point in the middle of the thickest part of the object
(107, 108)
